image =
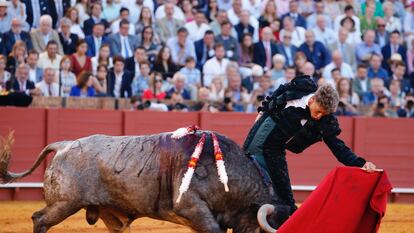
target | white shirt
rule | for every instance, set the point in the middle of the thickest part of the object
(135, 10)
(212, 68)
(234, 19)
(255, 9)
(44, 87)
(76, 29)
(32, 75)
(178, 13)
(118, 82)
(346, 71)
(196, 32)
(45, 62)
(326, 37)
(300, 103)
(298, 36)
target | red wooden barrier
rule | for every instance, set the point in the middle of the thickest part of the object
(29, 127)
(389, 143)
(231, 124)
(69, 124)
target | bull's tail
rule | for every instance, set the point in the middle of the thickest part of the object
(5, 155)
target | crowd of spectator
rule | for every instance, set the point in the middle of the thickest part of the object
(210, 55)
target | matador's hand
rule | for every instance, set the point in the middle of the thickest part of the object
(370, 167)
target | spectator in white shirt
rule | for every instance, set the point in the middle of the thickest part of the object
(197, 27)
(47, 86)
(349, 12)
(123, 14)
(50, 58)
(215, 65)
(322, 33)
(135, 7)
(297, 33)
(178, 13)
(337, 62)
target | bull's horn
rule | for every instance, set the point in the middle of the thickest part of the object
(262, 214)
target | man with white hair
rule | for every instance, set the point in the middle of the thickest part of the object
(21, 82)
(14, 34)
(323, 34)
(264, 50)
(337, 62)
(5, 17)
(44, 34)
(315, 51)
(36, 8)
(177, 12)
(48, 86)
(179, 87)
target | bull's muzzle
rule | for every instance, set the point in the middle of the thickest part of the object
(262, 214)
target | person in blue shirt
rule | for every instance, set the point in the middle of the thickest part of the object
(315, 51)
(84, 86)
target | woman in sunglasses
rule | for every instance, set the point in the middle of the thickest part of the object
(155, 87)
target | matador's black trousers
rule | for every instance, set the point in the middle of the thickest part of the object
(266, 143)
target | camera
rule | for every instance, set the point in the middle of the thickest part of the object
(260, 97)
(410, 104)
(227, 100)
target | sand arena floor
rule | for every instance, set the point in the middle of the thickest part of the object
(15, 218)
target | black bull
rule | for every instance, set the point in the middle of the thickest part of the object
(120, 179)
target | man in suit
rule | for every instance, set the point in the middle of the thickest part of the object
(95, 18)
(21, 83)
(120, 80)
(35, 73)
(14, 35)
(392, 47)
(315, 51)
(347, 50)
(264, 50)
(168, 26)
(69, 40)
(230, 43)
(59, 7)
(122, 43)
(300, 21)
(41, 36)
(132, 64)
(204, 49)
(96, 39)
(287, 49)
(361, 83)
(36, 8)
(382, 36)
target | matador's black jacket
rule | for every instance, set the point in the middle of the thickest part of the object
(280, 128)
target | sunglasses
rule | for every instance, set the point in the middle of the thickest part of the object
(381, 25)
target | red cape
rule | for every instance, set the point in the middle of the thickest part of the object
(348, 200)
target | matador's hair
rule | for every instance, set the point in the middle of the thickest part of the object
(327, 97)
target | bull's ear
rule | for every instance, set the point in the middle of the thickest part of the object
(201, 172)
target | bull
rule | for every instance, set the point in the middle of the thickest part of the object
(122, 178)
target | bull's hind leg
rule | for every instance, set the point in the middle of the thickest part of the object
(197, 212)
(52, 215)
